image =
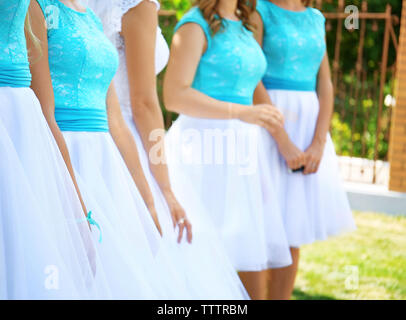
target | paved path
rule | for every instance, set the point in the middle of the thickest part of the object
(363, 194)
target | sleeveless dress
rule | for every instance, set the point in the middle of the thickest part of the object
(226, 162)
(46, 248)
(209, 272)
(83, 63)
(313, 206)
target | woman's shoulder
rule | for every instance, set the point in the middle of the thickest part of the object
(126, 5)
(262, 9)
(317, 14)
(194, 15)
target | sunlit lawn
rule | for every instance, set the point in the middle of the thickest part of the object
(376, 252)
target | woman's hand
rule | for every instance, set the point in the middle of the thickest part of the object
(154, 216)
(179, 217)
(264, 115)
(294, 157)
(313, 156)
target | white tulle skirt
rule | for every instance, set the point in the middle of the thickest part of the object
(227, 164)
(133, 253)
(208, 272)
(46, 248)
(315, 206)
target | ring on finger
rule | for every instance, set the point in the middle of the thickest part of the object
(181, 221)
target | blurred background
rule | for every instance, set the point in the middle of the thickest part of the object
(370, 263)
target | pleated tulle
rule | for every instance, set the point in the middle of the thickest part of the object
(146, 269)
(314, 206)
(46, 248)
(207, 270)
(230, 174)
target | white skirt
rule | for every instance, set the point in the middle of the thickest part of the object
(208, 272)
(46, 248)
(132, 251)
(226, 163)
(314, 206)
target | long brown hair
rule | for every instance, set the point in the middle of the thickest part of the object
(245, 8)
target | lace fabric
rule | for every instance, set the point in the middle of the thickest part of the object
(14, 69)
(294, 45)
(233, 63)
(110, 13)
(83, 63)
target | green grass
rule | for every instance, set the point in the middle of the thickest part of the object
(376, 252)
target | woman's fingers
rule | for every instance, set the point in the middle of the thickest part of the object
(270, 123)
(297, 162)
(307, 164)
(312, 164)
(300, 160)
(292, 165)
(315, 166)
(158, 226)
(156, 221)
(279, 116)
(174, 219)
(188, 226)
(181, 229)
(274, 115)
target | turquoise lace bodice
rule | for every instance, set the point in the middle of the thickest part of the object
(233, 63)
(83, 63)
(14, 66)
(294, 46)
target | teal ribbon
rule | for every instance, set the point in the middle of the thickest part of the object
(93, 222)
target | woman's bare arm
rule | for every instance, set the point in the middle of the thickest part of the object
(139, 30)
(125, 143)
(188, 46)
(325, 93)
(42, 85)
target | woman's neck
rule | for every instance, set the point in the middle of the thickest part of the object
(227, 9)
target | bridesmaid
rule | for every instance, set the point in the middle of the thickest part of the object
(298, 80)
(220, 147)
(132, 25)
(83, 103)
(46, 249)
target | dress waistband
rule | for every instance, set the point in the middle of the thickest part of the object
(77, 119)
(272, 83)
(15, 76)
